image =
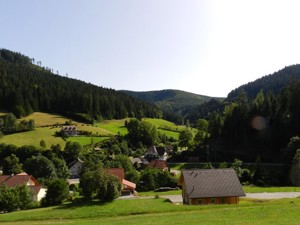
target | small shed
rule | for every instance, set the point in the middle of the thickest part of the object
(210, 186)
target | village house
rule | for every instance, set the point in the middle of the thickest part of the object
(210, 186)
(38, 191)
(69, 130)
(75, 168)
(128, 188)
(154, 152)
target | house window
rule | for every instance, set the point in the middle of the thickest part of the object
(213, 200)
(199, 202)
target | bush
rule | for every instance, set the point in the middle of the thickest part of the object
(152, 179)
(58, 191)
(14, 198)
(100, 185)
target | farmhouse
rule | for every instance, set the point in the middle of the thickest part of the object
(69, 130)
(128, 187)
(24, 179)
(154, 152)
(75, 168)
(210, 186)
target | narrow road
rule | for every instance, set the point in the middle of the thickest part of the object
(275, 195)
(265, 195)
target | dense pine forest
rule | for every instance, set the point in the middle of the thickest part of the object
(26, 87)
(272, 83)
(261, 118)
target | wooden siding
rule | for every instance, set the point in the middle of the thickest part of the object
(205, 201)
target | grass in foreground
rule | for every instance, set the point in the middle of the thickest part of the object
(146, 211)
(154, 193)
(247, 189)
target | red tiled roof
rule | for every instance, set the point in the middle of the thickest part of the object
(35, 189)
(159, 164)
(128, 185)
(16, 180)
(3, 178)
(118, 172)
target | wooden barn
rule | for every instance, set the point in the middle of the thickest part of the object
(210, 186)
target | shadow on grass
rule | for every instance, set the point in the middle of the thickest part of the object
(78, 203)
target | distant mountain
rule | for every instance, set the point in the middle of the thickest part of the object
(272, 83)
(26, 87)
(169, 100)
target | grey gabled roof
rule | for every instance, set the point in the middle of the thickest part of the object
(151, 151)
(202, 183)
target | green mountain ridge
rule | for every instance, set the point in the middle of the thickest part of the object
(272, 83)
(26, 87)
(177, 101)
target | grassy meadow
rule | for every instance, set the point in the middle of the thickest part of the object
(34, 137)
(86, 140)
(47, 124)
(161, 211)
(46, 119)
(166, 127)
(113, 126)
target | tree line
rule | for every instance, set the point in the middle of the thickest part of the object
(25, 88)
(247, 127)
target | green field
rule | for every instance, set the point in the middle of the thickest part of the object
(46, 119)
(47, 124)
(161, 211)
(34, 137)
(113, 126)
(165, 127)
(86, 140)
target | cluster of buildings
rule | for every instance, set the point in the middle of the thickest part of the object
(199, 186)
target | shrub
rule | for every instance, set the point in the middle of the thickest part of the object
(58, 191)
(100, 185)
(14, 198)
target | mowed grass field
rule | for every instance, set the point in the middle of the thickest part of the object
(34, 137)
(161, 211)
(47, 124)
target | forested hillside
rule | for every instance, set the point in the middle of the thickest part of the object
(26, 87)
(272, 83)
(269, 84)
(176, 101)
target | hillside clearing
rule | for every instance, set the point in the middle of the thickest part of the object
(47, 124)
(34, 137)
(46, 119)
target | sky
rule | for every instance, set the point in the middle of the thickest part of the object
(207, 47)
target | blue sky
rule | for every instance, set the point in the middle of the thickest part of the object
(206, 47)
